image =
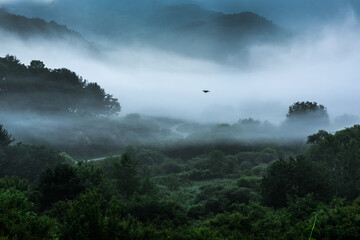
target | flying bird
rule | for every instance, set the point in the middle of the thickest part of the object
(206, 91)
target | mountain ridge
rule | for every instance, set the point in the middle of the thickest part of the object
(185, 29)
(26, 28)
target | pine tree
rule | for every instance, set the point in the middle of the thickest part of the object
(5, 137)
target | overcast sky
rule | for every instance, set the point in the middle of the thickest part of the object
(321, 64)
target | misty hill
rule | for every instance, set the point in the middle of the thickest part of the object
(36, 27)
(214, 35)
(186, 29)
(58, 108)
(35, 88)
(180, 15)
(235, 27)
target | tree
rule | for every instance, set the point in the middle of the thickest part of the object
(294, 178)
(14, 182)
(318, 138)
(63, 182)
(339, 152)
(18, 219)
(82, 218)
(98, 102)
(5, 137)
(126, 174)
(249, 122)
(307, 111)
(11, 59)
(44, 90)
(27, 161)
(36, 65)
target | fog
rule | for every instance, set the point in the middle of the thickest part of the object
(318, 64)
(292, 14)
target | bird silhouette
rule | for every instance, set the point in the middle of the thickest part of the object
(206, 91)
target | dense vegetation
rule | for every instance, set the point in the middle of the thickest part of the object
(249, 191)
(79, 115)
(37, 89)
(59, 109)
(228, 181)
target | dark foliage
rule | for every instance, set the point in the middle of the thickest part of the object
(27, 161)
(119, 198)
(18, 219)
(294, 178)
(153, 210)
(38, 89)
(125, 172)
(308, 112)
(339, 152)
(5, 137)
(62, 182)
(14, 182)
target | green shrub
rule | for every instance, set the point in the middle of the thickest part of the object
(18, 219)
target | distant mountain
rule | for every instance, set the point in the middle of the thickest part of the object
(186, 29)
(191, 30)
(35, 27)
(179, 15)
(233, 27)
(108, 18)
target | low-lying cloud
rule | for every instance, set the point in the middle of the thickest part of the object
(319, 66)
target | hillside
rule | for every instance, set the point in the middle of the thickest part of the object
(208, 34)
(38, 89)
(185, 29)
(58, 108)
(241, 191)
(173, 16)
(35, 27)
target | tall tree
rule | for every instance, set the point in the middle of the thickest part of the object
(126, 174)
(340, 152)
(307, 111)
(5, 137)
(294, 178)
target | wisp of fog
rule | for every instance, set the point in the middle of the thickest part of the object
(316, 65)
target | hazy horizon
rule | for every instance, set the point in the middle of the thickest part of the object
(318, 64)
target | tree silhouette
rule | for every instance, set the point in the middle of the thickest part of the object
(307, 112)
(43, 90)
(303, 110)
(126, 173)
(5, 137)
(36, 65)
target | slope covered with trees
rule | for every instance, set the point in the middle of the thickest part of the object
(37, 89)
(164, 187)
(241, 192)
(59, 109)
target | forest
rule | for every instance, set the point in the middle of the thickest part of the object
(247, 180)
(179, 120)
